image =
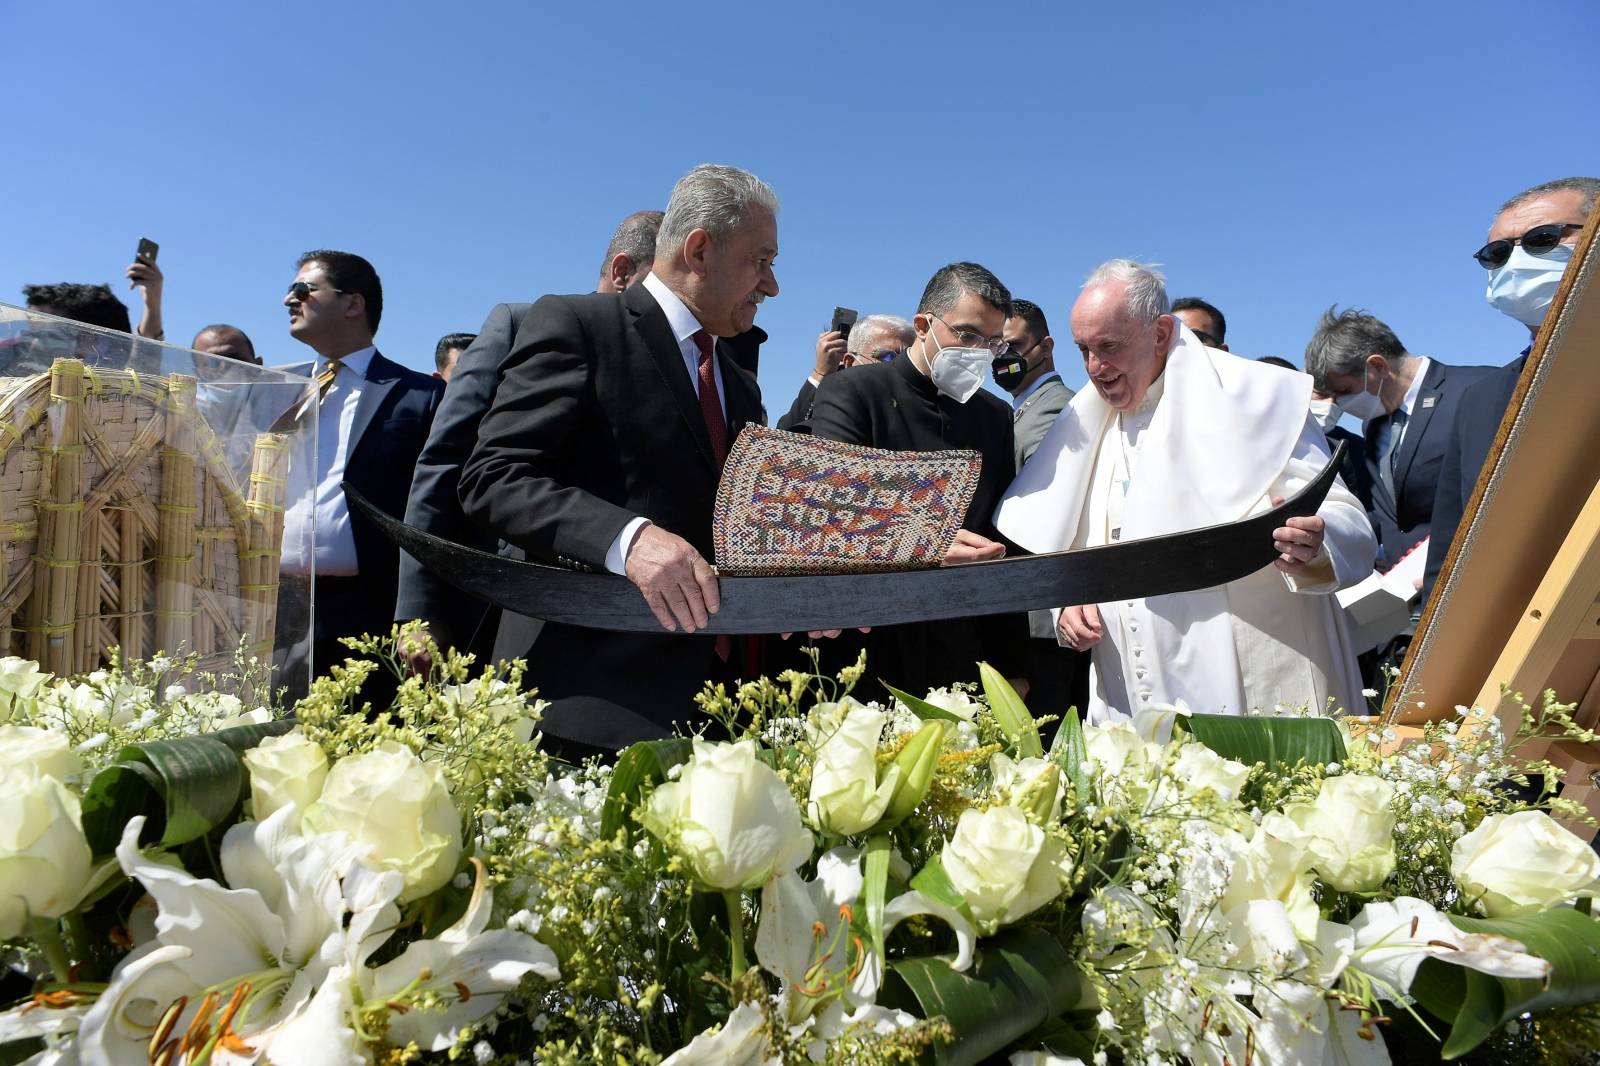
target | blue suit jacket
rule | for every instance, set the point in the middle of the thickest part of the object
(1404, 520)
(1472, 433)
(393, 415)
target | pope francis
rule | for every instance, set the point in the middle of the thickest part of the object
(1174, 436)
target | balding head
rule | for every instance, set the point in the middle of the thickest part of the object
(226, 341)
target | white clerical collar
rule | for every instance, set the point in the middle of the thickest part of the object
(357, 360)
(1408, 405)
(1152, 397)
(1022, 397)
(679, 317)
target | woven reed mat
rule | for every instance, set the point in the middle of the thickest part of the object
(790, 503)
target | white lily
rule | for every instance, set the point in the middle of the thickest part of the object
(1393, 938)
(806, 942)
(740, 1041)
(236, 962)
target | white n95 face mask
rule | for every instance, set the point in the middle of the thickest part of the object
(1363, 405)
(958, 372)
(1525, 286)
(1325, 413)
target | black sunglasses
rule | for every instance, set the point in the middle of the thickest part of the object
(301, 289)
(1205, 338)
(1540, 240)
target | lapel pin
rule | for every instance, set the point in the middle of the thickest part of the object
(1429, 401)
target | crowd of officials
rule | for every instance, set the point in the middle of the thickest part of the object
(589, 431)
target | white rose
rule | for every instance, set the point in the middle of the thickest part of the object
(1124, 762)
(731, 816)
(1003, 865)
(1351, 826)
(847, 796)
(19, 684)
(955, 701)
(1523, 862)
(1199, 769)
(497, 699)
(1274, 864)
(43, 750)
(285, 770)
(399, 808)
(1031, 785)
(44, 858)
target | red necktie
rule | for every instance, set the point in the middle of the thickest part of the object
(710, 406)
(717, 429)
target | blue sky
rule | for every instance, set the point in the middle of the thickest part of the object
(1276, 158)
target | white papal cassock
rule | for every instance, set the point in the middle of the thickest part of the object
(1215, 439)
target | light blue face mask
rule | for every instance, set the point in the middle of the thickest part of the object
(1525, 286)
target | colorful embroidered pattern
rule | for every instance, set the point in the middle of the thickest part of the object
(790, 503)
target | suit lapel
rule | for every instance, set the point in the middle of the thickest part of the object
(382, 376)
(741, 394)
(650, 322)
(1421, 415)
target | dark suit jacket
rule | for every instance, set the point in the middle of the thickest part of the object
(1402, 520)
(799, 417)
(434, 504)
(1472, 431)
(393, 416)
(745, 349)
(894, 405)
(595, 422)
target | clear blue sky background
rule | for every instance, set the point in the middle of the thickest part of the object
(1276, 157)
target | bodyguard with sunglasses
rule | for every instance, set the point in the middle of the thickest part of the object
(1529, 246)
(373, 416)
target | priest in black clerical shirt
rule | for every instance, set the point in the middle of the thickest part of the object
(930, 401)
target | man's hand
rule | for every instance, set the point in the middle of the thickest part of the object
(1080, 627)
(414, 651)
(144, 274)
(677, 582)
(968, 547)
(830, 353)
(1298, 541)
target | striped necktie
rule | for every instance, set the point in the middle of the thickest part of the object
(325, 375)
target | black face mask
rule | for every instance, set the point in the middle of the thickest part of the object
(1009, 370)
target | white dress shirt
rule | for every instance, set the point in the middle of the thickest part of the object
(684, 326)
(1409, 403)
(335, 549)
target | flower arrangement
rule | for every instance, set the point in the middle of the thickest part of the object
(812, 878)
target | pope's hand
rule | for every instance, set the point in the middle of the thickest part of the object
(1298, 541)
(1080, 627)
(677, 582)
(969, 547)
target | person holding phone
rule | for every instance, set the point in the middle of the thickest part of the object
(143, 274)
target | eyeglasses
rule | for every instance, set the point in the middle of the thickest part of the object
(301, 289)
(1205, 338)
(884, 355)
(971, 338)
(1540, 240)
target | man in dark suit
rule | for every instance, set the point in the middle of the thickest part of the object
(1530, 243)
(1406, 402)
(454, 619)
(928, 401)
(603, 449)
(373, 417)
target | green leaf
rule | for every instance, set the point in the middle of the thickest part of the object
(1253, 739)
(184, 787)
(639, 766)
(1020, 979)
(1476, 1005)
(922, 708)
(1071, 752)
(876, 884)
(19, 1051)
(934, 882)
(1012, 714)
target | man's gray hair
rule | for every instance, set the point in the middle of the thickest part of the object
(867, 329)
(1589, 187)
(1146, 296)
(635, 238)
(714, 198)
(1343, 341)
